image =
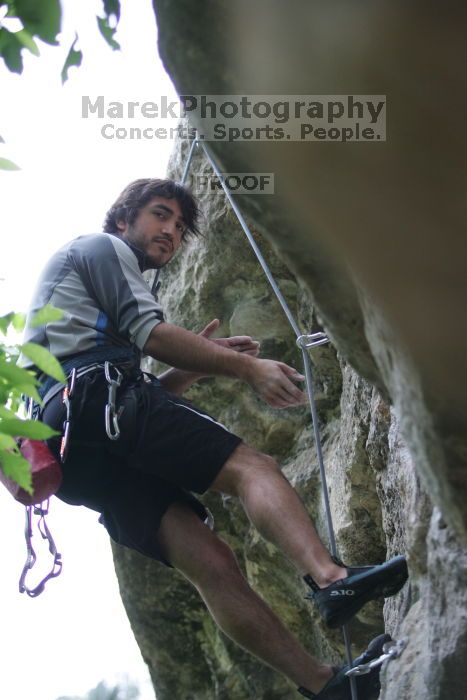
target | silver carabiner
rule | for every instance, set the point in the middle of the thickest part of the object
(391, 650)
(111, 417)
(111, 421)
(312, 340)
(67, 396)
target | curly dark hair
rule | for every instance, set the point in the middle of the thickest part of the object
(138, 193)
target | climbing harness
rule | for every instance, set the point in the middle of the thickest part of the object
(391, 650)
(56, 569)
(304, 342)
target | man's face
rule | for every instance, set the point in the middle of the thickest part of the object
(158, 230)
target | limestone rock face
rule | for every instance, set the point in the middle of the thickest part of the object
(365, 245)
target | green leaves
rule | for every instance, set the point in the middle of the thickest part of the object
(6, 164)
(16, 381)
(42, 19)
(15, 467)
(39, 19)
(10, 50)
(112, 7)
(17, 320)
(108, 24)
(7, 442)
(44, 360)
(108, 32)
(47, 314)
(73, 58)
(26, 428)
(27, 41)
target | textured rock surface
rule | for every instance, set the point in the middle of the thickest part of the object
(343, 213)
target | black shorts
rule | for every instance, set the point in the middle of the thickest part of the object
(167, 449)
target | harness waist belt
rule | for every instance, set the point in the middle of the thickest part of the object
(56, 388)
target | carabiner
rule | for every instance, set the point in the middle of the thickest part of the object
(391, 650)
(111, 417)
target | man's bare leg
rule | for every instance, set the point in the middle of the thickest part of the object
(210, 565)
(277, 512)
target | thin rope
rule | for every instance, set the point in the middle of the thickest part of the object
(253, 244)
(298, 333)
(188, 162)
(306, 363)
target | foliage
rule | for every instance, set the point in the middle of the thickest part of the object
(129, 691)
(6, 164)
(16, 382)
(42, 21)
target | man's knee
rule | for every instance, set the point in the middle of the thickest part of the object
(243, 465)
(218, 568)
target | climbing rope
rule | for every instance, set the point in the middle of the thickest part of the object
(304, 342)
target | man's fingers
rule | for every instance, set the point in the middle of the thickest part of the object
(210, 328)
(246, 347)
(291, 372)
(242, 340)
(244, 343)
(275, 384)
(277, 402)
(254, 352)
(285, 396)
(238, 343)
(294, 394)
(284, 401)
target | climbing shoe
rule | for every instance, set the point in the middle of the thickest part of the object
(341, 600)
(368, 685)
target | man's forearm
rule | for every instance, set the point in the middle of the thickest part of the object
(177, 381)
(193, 353)
(272, 380)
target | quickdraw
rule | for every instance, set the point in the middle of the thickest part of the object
(391, 650)
(42, 510)
(113, 432)
(67, 397)
(56, 569)
(111, 415)
(311, 340)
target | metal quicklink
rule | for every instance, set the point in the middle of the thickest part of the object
(391, 650)
(67, 397)
(111, 416)
(41, 511)
(312, 340)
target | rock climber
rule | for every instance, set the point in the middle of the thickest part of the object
(138, 452)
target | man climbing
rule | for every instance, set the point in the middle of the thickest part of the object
(138, 451)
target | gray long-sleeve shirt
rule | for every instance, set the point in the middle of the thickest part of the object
(96, 280)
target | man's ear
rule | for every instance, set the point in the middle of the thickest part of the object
(121, 225)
